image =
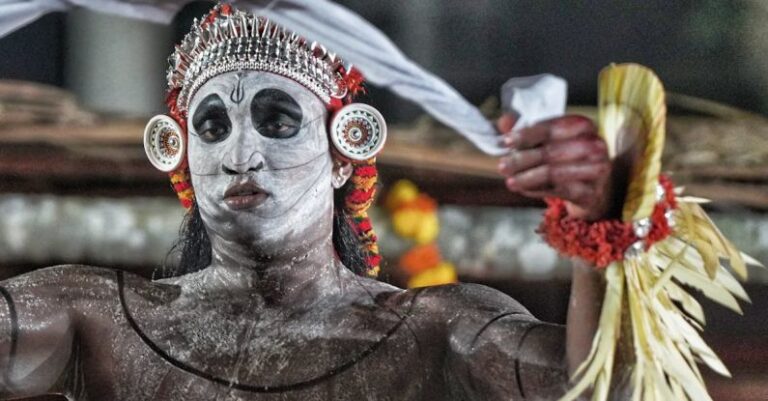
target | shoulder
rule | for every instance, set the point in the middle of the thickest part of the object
(67, 284)
(62, 277)
(459, 308)
(471, 299)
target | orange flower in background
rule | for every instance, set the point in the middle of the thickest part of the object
(444, 273)
(401, 193)
(421, 227)
(414, 214)
(422, 202)
(420, 258)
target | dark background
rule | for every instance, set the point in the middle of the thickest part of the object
(709, 48)
(715, 49)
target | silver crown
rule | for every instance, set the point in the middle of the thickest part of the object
(242, 41)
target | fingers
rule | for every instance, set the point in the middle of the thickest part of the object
(561, 174)
(520, 160)
(505, 123)
(559, 129)
(549, 176)
(567, 151)
(590, 150)
(562, 158)
(576, 192)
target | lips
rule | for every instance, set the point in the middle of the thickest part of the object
(245, 195)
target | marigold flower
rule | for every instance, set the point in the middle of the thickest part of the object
(444, 273)
(420, 258)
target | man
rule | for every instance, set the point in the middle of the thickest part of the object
(271, 307)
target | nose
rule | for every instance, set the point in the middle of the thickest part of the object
(245, 155)
(236, 169)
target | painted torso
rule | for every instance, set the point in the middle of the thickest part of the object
(142, 340)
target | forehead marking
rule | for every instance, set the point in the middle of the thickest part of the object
(238, 94)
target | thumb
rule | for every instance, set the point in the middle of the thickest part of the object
(505, 123)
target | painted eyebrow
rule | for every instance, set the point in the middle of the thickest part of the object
(272, 99)
(211, 106)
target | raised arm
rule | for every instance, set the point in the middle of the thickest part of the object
(37, 333)
(565, 158)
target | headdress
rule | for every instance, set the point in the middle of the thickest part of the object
(233, 40)
(229, 40)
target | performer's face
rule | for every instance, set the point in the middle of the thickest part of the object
(260, 162)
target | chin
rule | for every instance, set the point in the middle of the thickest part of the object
(297, 229)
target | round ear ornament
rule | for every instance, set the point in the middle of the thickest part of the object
(164, 143)
(358, 131)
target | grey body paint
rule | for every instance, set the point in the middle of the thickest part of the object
(275, 316)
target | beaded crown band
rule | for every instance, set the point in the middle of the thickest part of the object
(235, 40)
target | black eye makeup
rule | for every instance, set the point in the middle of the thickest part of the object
(211, 121)
(275, 114)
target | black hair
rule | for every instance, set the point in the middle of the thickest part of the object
(193, 248)
(347, 243)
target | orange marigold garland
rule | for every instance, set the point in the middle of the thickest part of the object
(606, 241)
(181, 180)
(358, 200)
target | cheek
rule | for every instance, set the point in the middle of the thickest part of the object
(309, 144)
(204, 195)
(200, 160)
(205, 171)
(306, 190)
(308, 178)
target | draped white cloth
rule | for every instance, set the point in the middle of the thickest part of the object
(355, 40)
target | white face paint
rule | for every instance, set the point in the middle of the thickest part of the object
(261, 166)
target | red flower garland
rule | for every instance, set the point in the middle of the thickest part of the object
(603, 242)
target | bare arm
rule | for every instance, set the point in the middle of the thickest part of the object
(36, 335)
(565, 158)
(498, 350)
(583, 313)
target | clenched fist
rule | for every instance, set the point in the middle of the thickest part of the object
(563, 157)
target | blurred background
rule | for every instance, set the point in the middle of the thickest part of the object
(77, 88)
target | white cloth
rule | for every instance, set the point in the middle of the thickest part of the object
(535, 98)
(340, 30)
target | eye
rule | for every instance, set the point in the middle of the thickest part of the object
(278, 126)
(275, 114)
(211, 121)
(212, 131)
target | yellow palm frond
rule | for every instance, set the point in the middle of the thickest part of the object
(646, 298)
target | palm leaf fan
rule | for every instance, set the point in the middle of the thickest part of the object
(648, 315)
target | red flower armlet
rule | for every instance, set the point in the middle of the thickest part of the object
(607, 241)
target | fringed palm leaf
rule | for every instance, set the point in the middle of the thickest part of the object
(646, 299)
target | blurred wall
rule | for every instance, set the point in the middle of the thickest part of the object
(709, 48)
(116, 65)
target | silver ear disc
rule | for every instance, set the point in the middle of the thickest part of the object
(164, 143)
(358, 131)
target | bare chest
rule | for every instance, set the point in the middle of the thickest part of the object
(241, 351)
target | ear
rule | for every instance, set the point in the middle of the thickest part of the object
(342, 170)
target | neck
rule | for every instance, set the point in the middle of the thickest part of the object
(297, 277)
